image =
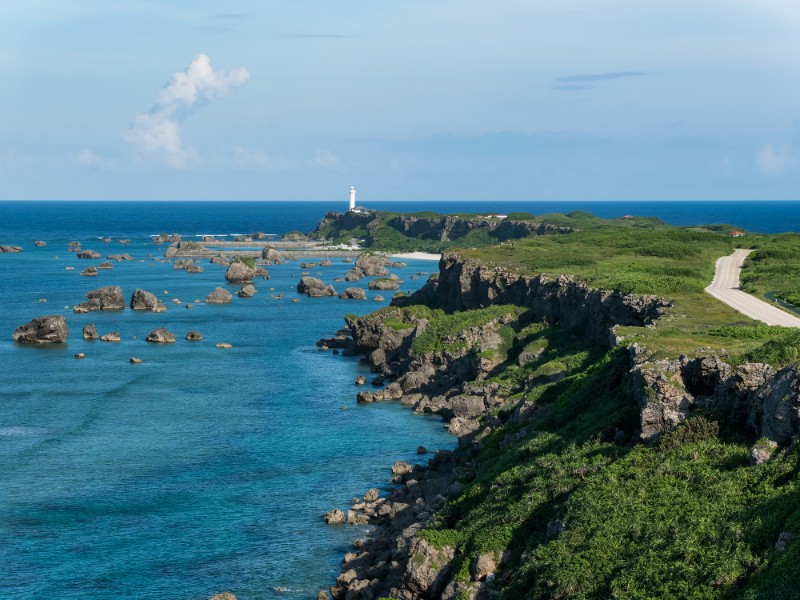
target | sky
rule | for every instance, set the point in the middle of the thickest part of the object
(406, 100)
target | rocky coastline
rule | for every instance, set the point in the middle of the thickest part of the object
(398, 561)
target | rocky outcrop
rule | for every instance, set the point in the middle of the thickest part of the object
(449, 228)
(90, 271)
(238, 272)
(272, 255)
(90, 332)
(144, 300)
(194, 336)
(160, 336)
(10, 249)
(564, 300)
(40, 243)
(353, 293)
(219, 296)
(373, 265)
(383, 284)
(50, 329)
(90, 254)
(315, 288)
(247, 291)
(105, 298)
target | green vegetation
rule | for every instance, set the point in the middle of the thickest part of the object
(582, 512)
(247, 260)
(559, 485)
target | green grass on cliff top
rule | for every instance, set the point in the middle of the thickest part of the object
(646, 256)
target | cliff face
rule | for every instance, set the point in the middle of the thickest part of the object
(562, 301)
(441, 229)
(448, 228)
(451, 381)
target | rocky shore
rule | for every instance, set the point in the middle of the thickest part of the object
(398, 560)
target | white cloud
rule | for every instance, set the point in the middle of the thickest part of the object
(88, 158)
(775, 161)
(157, 133)
(252, 159)
(325, 159)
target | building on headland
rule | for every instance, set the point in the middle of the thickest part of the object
(736, 234)
(353, 207)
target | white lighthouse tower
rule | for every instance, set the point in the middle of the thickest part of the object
(352, 198)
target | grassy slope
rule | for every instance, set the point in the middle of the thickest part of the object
(684, 518)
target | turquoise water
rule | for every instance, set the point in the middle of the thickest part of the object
(201, 469)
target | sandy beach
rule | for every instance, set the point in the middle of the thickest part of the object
(418, 255)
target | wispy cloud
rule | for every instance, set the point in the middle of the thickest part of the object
(572, 87)
(246, 159)
(775, 161)
(157, 133)
(325, 159)
(601, 76)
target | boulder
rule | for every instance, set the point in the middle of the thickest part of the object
(354, 275)
(398, 265)
(161, 336)
(308, 265)
(272, 255)
(135, 361)
(219, 296)
(40, 243)
(325, 263)
(182, 263)
(110, 337)
(373, 265)
(90, 271)
(378, 298)
(353, 293)
(247, 291)
(90, 333)
(238, 272)
(50, 329)
(361, 380)
(383, 284)
(194, 269)
(334, 517)
(90, 254)
(143, 300)
(194, 336)
(224, 345)
(313, 287)
(105, 265)
(11, 249)
(105, 298)
(223, 596)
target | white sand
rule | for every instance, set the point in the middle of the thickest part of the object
(418, 256)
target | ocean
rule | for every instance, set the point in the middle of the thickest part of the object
(203, 470)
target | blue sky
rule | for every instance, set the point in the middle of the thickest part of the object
(411, 100)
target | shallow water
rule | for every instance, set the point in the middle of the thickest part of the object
(199, 470)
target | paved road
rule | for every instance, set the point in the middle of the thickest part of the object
(725, 287)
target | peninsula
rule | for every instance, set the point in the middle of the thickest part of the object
(622, 432)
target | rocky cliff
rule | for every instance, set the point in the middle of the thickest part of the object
(450, 228)
(452, 378)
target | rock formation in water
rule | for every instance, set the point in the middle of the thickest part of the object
(50, 329)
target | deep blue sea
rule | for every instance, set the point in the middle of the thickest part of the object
(202, 470)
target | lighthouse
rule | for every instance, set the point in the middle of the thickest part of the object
(352, 198)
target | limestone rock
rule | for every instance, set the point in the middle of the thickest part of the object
(247, 291)
(111, 337)
(373, 265)
(353, 293)
(334, 517)
(313, 287)
(194, 336)
(90, 254)
(50, 329)
(135, 361)
(161, 336)
(40, 243)
(224, 345)
(105, 265)
(105, 298)
(223, 596)
(219, 296)
(90, 333)
(143, 300)
(354, 275)
(90, 271)
(238, 272)
(762, 451)
(272, 255)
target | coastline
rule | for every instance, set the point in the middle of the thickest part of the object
(417, 255)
